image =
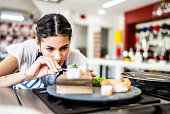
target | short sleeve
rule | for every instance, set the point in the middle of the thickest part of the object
(76, 57)
(25, 52)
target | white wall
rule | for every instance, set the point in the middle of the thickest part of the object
(80, 32)
(94, 23)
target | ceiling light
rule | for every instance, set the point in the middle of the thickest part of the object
(101, 12)
(112, 3)
(54, 1)
(12, 16)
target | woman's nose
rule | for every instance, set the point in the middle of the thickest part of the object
(57, 55)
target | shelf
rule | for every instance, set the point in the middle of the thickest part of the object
(119, 66)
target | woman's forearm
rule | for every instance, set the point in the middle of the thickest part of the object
(13, 79)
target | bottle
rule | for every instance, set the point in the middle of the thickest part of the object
(156, 56)
(138, 56)
(145, 54)
(130, 54)
(162, 57)
(125, 56)
(118, 52)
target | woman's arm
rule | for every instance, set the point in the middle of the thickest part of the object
(12, 79)
(8, 66)
(41, 67)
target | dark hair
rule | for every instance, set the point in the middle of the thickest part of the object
(51, 25)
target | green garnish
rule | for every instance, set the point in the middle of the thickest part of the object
(74, 66)
(96, 81)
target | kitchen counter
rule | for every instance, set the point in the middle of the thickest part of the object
(119, 66)
(21, 99)
(27, 99)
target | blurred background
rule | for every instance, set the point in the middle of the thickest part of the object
(116, 35)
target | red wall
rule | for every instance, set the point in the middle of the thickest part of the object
(143, 14)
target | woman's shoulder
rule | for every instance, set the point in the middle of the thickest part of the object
(30, 42)
(76, 55)
(73, 50)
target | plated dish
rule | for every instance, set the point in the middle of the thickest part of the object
(96, 96)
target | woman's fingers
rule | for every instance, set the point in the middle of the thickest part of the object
(51, 63)
(91, 70)
(57, 65)
(93, 75)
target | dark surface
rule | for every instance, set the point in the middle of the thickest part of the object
(145, 109)
(58, 105)
(158, 88)
(149, 78)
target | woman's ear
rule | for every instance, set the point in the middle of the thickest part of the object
(38, 44)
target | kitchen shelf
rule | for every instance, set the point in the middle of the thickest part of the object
(119, 66)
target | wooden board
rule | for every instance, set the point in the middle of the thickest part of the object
(82, 85)
(84, 80)
(74, 89)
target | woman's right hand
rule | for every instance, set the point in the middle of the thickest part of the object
(41, 67)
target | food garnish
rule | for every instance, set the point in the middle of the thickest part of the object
(96, 81)
(73, 66)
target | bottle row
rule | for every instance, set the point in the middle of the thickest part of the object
(146, 55)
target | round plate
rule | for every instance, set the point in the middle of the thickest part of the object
(96, 96)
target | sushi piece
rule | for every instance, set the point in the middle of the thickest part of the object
(127, 82)
(117, 85)
(106, 88)
(120, 86)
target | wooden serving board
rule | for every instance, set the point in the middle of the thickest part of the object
(84, 80)
(74, 89)
(82, 85)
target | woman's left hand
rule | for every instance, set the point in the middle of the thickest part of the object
(93, 75)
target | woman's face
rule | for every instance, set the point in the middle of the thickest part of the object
(56, 47)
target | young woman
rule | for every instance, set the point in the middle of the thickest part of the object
(37, 62)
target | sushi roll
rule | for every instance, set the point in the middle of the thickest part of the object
(127, 82)
(120, 88)
(120, 85)
(106, 88)
(117, 85)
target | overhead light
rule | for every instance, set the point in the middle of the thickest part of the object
(112, 3)
(54, 1)
(101, 12)
(12, 16)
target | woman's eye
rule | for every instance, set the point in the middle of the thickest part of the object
(49, 49)
(64, 48)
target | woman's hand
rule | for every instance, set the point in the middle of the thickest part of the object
(43, 66)
(93, 75)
